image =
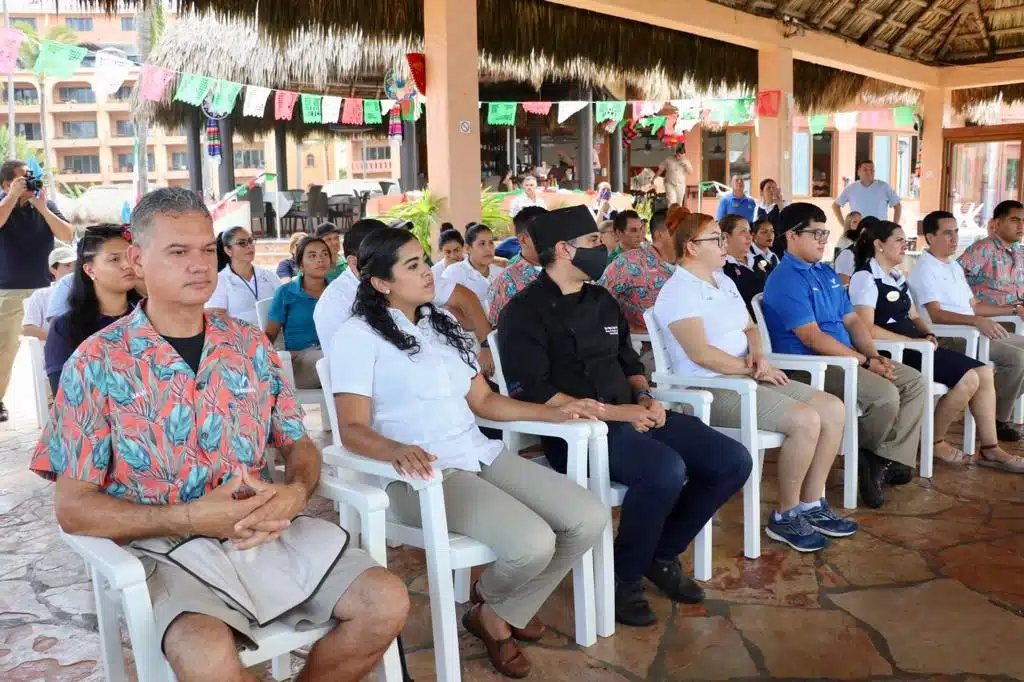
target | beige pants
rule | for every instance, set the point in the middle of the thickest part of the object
(773, 402)
(891, 424)
(675, 193)
(1008, 357)
(536, 520)
(304, 367)
(12, 309)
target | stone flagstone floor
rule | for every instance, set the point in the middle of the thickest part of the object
(932, 588)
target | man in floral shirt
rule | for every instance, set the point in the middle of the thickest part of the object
(521, 270)
(160, 429)
(994, 266)
(636, 276)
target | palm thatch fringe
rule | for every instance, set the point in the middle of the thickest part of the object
(983, 105)
(821, 89)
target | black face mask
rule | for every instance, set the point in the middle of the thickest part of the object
(591, 261)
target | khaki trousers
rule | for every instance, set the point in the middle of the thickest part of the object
(536, 520)
(675, 193)
(304, 368)
(12, 309)
(891, 424)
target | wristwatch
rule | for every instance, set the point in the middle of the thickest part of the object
(641, 394)
(867, 363)
(485, 343)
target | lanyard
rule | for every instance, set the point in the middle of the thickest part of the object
(255, 288)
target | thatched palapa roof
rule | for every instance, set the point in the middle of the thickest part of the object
(822, 89)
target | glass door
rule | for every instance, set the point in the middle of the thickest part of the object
(982, 174)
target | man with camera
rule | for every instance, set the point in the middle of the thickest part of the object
(28, 225)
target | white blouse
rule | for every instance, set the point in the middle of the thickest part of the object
(864, 291)
(465, 274)
(239, 297)
(416, 399)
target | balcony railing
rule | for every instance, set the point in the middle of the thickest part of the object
(371, 166)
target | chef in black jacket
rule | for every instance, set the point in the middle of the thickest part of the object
(563, 338)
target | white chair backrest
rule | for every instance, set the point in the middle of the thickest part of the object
(762, 326)
(323, 370)
(263, 312)
(499, 375)
(662, 359)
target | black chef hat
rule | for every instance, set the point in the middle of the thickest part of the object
(799, 215)
(561, 225)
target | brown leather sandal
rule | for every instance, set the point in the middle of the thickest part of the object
(957, 458)
(534, 630)
(504, 654)
(1014, 465)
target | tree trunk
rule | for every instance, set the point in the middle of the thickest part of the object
(51, 181)
(144, 26)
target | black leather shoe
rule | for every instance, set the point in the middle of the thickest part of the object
(871, 471)
(1007, 432)
(3, 412)
(631, 607)
(668, 576)
(899, 474)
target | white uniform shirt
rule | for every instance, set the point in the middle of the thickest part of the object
(438, 269)
(522, 201)
(721, 308)
(932, 280)
(864, 291)
(844, 264)
(416, 399)
(465, 274)
(874, 199)
(334, 306)
(35, 308)
(57, 303)
(239, 297)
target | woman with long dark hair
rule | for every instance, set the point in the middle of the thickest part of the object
(881, 297)
(240, 283)
(407, 386)
(291, 310)
(102, 291)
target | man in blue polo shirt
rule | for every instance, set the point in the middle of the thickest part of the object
(808, 312)
(737, 202)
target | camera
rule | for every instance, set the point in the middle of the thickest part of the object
(32, 183)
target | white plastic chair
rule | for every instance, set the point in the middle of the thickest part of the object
(305, 396)
(446, 551)
(612, 494)
(119, 587)
(848, 365)
(40, 382)
(756, 441)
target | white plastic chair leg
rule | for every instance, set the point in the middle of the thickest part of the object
(604, 560)
(928, 434)
(463, 584)
(752, 508)
(281, 667)
(107, 609)
(439, 579)
(851, 443)
(970, 433)
(702, 553)
(150, 663)
(584, 599)
(1018, 410)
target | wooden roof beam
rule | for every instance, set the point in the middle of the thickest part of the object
(915, 24)
(855, 14)
(946, 29)
(886, 21)
(982, 75)
(828, 14)
(983, 25)
(957, 22)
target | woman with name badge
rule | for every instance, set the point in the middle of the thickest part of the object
(240, 283)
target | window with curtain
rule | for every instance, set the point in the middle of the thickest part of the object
(801, 186)
(79, 23)
(78, 130)
(249, 158)
(125, 129)
(882, 156)
(179, 161)
(82, 163)
(78, 94)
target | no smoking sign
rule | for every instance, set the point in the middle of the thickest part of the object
(465, 127)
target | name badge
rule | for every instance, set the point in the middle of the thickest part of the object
(893, 296)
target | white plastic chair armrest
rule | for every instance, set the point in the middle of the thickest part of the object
(365, 498)
(741, 385)
(1018, 324)
(339, 456)
(895, 348)
(121, 568)
(922, 346)
(956, 331)
(568, 431)
(700, 401)
(842, 361)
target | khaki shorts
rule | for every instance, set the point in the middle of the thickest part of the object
(174, 592)
(772, 404)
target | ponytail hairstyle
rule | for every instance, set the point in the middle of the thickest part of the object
(378, 256)
(864, 248)
(223, 241)
(83, 303)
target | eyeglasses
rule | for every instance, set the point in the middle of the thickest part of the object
(720, 240)
(244, 242)
(820, 235)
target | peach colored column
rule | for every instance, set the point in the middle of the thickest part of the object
(935, 104)
(775, 135)
(452, 109)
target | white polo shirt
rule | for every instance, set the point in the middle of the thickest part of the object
(438, 269)
(721, 308)
(933, 280)
(522, 201)
(874, 199)
(465, 274)
(334, 306)
(239, 297)
(864, 291)
(416, 399)
(35, 308)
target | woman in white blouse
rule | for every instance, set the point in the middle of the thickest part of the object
(709, 333)
(240, 284)
(407, 387)
(478, 270)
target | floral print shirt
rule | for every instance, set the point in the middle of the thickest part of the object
(995, 271)
(516, 277)
(134, 419)
(634, 278)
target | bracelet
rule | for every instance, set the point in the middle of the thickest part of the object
(642, 394)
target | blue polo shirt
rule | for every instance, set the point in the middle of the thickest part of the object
(730, 205)
(292, 308)
(798, 293)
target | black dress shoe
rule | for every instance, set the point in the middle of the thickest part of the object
(899, 474)
(3, 412)
(631, 607)
(871, 470)
(1007, 432)
(668, 576)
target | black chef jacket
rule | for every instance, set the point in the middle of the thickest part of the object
(577, 344)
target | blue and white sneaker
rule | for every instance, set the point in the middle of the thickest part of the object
(793, 529)
(825, 521)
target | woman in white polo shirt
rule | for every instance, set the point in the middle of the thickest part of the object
(407, 387)
(240, 284)
(477, 270)
(709, 332)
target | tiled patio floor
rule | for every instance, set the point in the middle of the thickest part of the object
(932, 588)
